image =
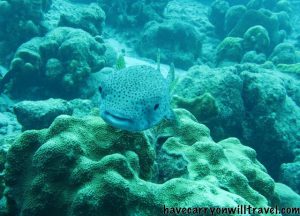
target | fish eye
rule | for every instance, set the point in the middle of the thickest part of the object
(100, 89)
(156, 106)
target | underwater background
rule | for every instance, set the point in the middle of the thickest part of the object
(210, 120)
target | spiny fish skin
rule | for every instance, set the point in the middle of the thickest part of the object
(135, 98)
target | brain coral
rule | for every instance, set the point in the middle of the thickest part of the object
(85, 167)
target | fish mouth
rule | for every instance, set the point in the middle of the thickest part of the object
(114, 116)
(116, 120)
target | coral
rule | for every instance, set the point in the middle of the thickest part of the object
(8, 124)
(262, 24)
(217, 15)
(78, 166)
(226, 87)
(290, 173)
(288, 198)
(284, 21)
(259, 106)
(283, 5)
(264, 18)
(20, 21)
(271, 102)
(40, 114)
(90, 19)
(133, 13)
(178, 41)
(75, 156)
(81, 107)
(230, 49)
(289, 68)
(191, 142)
(193, 12)
(254, 57)
(258, 17)
(56, 65)
(203, 107)
(256, 38)
(283, 53)
(8, 121)
(239, 18)
(232, 16)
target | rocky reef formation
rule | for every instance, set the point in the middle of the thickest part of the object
(89, 18)
(251, 30)
(133, 13)
(79, 166)
(290, 173)
(57, 65)
(178, 42)
(40, 114)
(287, 197)
(259, 106)
(19, 22)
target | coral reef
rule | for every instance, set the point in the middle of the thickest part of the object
(178, 41)
(193, 12)
(256, 38)
(78, 166)
(133, 13)
(230, 49)
(56, 65)
(90, 19)
(8, 124)
(283, 53)
(290, 173)
(226, 87)
(289, 68)
(203, 107)
(40, 114)
(19, 22)
(254, 57)
(263, 18)
(232, 16)
(288, 198)
(259, 106)
(217, 15)
(8, 121)
(261, 24)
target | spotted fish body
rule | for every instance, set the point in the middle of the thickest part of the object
(135, 98)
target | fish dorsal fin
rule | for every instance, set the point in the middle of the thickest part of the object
(121, 64)
(158, 59)
(171, 73)
(172, 80)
